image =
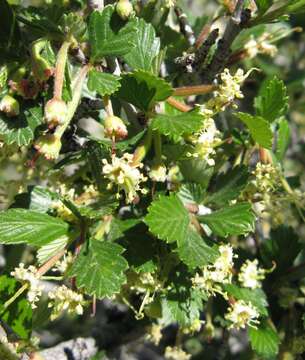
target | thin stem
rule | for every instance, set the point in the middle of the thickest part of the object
(178, 105)
(158, 146)
(15, 296)
(194, 90)
(60, 69)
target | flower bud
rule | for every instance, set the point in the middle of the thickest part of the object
(49, 145)
(124, 9)
(9, 105)
(158, 173)
(114, 126)
(55, 112)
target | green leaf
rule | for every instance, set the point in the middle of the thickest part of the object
(99, 270)
(182, 303)
(20, 130)
(196, 170)
(51, 249)
(25, 226)
(174, 126)
(195, 252)
(259, 129)
(283, 139)
(272, 101)
(37, 198)
(147, 47)
(228, 186)
(192, 193)
(108, 34)
(264, 340)
(18, 316)
(234, 220)
(263, 5)
(143, 89)
(103, 83)
(282, 247)
(168, 219)
(257, 297)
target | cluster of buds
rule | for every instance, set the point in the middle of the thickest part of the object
(10, 106)
(124, 9)
(115, 128)
(63, 264)
(267, 178)
(242, 314)
(262, 45)
(213, 276)
(122, 173)
(62, 299)
(31, 277)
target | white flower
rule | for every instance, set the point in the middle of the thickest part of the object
(241, 314)
(250, 274)
(122, 173)
(169, 3)
(158, 173)
(30, 276)
(176, 353)
(63, 298)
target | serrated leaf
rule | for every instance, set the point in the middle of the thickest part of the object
(192, 193)
(182, 303)
(143, 89)
(52, 248)
(20, 130)
(147, 47)
(174, 126)
(272, 101)
(195, 252)
(18, 316)
(228, 186)
(103, 83)
(168, 219)
(257, 297)
(37, 198)
(25, 226)
(108, 35)
(99, 270)
(196, 170)
(283, 139)
(259, 128)
(233, 220)
(264, 340)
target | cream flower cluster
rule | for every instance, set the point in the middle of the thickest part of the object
(63, 298)
(267, 177)
(228, 90)
(250, 274)
(213, 276)
(62, 265)
(154, 334)
(124, 175)
(31, 277)
(242, 314)
(158, 172)
(262, 45)
(175, 353)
